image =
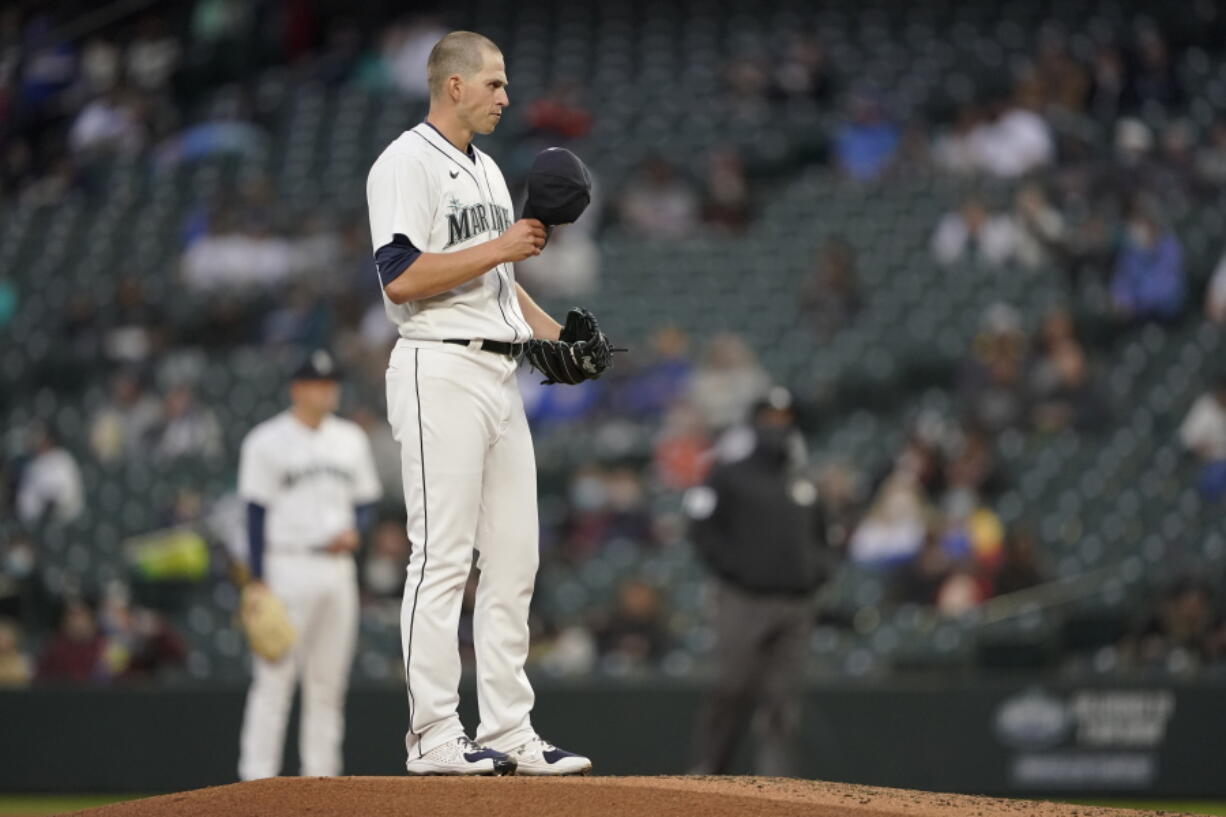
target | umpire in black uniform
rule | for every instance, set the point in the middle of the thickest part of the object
(757, 525)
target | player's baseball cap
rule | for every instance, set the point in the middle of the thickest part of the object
(559, 187)
(318, 365)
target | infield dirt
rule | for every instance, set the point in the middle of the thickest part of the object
(577, 797)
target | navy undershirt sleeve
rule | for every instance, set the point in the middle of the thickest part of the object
(392, 259)
(255, 539)
(365, 516)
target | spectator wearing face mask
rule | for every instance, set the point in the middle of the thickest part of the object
(1148, 283)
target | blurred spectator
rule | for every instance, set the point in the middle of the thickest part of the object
(972, 475)
(547, 407)
(803, 73)
(1062, 390)
(18, 577)
(1148, 283)
(187, 429)
(15, 670)
(8, 301)
(893, 529)
(757, 526)
(140, 644)
(629, 520)
(660, 381)
(991, 386)
(1039, 227)
(634, 637)
(961, 592)
(78, 651)
(152, 57)
(235, 259)
(386, 560)
(1215, 295)
(1062, 80)
(727, 381)
(841, 492)
(955, 151)
(864, 147)
(658, 203)
(682, 454)
(569, 266)
(1211, 159)
(1108, 83)
(919, 580)
(300, 319)
(1063, 393)
(1015, 139)
(50, 486)
(122, 427)
(315, 253)
(48, 64)
(560, 114)
(830, 297)
(413, 42)
(1184, 634)
(748, 82)
(1155, 79)
(1203, 433)
(606, 506)
(108, 125)
(99, 66)
(996, 401)
(133, 327)
(727, 191)
(342, 55)
(1024, 565)
(972, 232)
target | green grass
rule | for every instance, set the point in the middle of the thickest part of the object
(1187, 806)
(29, 805)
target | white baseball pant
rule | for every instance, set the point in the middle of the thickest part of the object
(320, 593)
(469, 483)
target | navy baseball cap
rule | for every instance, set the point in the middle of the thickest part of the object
(318, 365)
(559, 188)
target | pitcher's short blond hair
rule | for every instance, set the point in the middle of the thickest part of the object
(460, 53)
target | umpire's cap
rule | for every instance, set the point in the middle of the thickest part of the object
(318, 365)
(559, 188)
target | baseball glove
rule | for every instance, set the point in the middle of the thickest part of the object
(266, 623)
(581, 353)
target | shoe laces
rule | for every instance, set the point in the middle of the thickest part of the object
(467, 744)
(545, 745)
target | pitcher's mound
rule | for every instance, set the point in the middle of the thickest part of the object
(575, 797)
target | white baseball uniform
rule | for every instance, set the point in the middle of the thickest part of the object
(466, 452)
(308, 481)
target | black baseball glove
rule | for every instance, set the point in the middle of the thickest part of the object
(581, 353)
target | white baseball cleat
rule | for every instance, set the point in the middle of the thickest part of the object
(538, 757)
(461, 756)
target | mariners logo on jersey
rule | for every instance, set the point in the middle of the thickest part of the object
(465, 221)
(428, 196)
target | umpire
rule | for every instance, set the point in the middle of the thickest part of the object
(758, 527)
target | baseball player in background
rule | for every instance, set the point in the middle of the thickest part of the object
(309, 482)
(445, 239)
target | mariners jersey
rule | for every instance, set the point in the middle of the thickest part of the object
(427, 195)
(308, 480)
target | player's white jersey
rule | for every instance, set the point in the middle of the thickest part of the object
(426, 195)
(308, 480)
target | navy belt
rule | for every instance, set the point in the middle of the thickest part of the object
(498, 347)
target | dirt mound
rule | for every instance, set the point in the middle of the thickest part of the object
(576, 797)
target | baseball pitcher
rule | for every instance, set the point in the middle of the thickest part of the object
(445, 240)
